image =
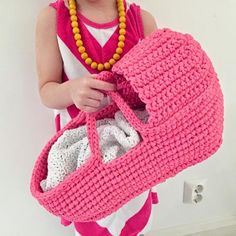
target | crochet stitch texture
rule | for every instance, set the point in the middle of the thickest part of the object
(171, 75)
(71, 150)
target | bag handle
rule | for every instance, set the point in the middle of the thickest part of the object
(90, 118)
(128, 113)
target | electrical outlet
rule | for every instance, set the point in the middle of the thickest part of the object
(194, 190)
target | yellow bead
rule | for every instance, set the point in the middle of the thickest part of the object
(100, 66)
(122, 13)
(122, 19)
(72, 6)
(120, 2)
(84, 56)
(121, 44)
(75, 30)
(77, 36)
(73, 18)
(112, 61)
(122, 38)
(72, 3)
(81, 49)
(122, 31)
(88, 61)
(94, 65)
(119, 50)
(72, 12)
(121, 7)
(107, 65)
(79, 43)
(122, 25)
(74, 24)
(116, 56)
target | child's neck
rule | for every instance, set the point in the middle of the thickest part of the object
(98, 4)
(99, 11)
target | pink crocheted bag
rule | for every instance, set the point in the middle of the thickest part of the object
(176, 83)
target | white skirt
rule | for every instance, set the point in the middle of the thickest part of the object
(116, 222)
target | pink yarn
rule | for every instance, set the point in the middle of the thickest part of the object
(170, 75)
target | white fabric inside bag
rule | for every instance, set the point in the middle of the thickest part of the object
(71, 150)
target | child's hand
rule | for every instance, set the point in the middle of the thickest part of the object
(85, 92)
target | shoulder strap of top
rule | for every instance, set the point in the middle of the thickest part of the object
(58, 5)
(136, 18)
(53, 4)
(134, 10)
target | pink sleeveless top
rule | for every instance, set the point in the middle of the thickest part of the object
(100, 41)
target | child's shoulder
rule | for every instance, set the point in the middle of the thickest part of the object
(149, 22)
(57, 3)
(48, 11)
(46, 19)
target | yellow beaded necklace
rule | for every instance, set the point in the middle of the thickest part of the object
(77, 36)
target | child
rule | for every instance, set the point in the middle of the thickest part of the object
(75, 40)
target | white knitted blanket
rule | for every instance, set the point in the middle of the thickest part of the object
(71, 150)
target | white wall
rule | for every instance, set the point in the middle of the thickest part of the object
(26, 125)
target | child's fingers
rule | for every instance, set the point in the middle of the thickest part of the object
(92, 103)
(92, 76)
(95, 94)
(103, 85)
(89, 109)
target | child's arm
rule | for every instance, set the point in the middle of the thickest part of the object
(149, 22)
(54, 94)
